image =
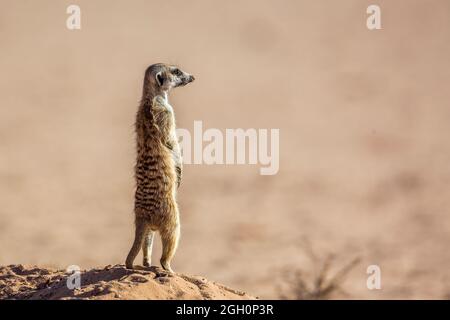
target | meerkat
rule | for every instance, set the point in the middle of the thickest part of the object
(158, 167)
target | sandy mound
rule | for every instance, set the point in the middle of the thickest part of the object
(109, 283)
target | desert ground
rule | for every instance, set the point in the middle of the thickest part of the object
(18, 282)
(364, 139)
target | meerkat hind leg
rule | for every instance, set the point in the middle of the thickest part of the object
(141, 228)
(147, 248)
(169, 240)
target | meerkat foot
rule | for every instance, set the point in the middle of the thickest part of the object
(166, 266)
(169, 242)
(146, 263)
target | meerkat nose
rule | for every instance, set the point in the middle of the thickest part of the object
(191, 78)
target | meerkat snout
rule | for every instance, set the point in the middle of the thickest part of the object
(186, 78)
(191, 78)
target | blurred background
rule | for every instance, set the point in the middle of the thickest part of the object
(364, 139)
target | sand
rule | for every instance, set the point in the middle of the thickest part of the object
(109, 283)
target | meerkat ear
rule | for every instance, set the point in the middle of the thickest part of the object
(160, 78)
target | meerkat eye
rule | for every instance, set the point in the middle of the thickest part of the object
(177, 72)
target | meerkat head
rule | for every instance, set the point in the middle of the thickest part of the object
(160, 78)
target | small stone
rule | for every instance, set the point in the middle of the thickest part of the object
(163, 279)
(137, 278)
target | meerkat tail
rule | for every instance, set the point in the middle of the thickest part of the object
(141, 228)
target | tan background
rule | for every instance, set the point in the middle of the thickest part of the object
(364, 126)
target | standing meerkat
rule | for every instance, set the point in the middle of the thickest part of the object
(158, 167)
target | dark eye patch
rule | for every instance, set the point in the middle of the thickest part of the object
(177, 72)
